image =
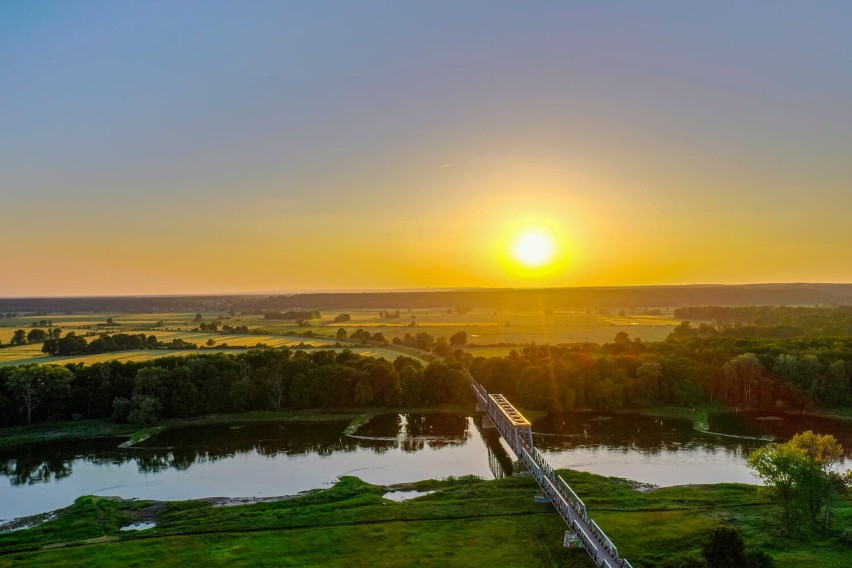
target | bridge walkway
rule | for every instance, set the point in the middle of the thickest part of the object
(517, 432)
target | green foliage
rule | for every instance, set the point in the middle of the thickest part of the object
(37, 385)
(19, 338)
(801, 477)
(724, 548)
(687, 369)
(180, 387)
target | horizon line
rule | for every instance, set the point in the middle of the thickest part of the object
(308, 291)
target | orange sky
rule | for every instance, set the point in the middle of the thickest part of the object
(275, 147)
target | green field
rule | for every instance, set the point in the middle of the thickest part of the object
(490, 333)
(29, 354)
(464, 523)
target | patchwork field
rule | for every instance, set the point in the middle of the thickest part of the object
(30, 354)
(490, 333)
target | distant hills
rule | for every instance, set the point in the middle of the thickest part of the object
(550, 298)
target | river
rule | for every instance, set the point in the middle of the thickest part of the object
(272, 459)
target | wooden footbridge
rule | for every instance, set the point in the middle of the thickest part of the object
(517, 432)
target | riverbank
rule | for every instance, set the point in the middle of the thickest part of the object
(465, 522)
(84, 429)
(698, 414)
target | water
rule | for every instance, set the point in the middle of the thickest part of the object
(258, 460)
(271, 459)
(667, 451)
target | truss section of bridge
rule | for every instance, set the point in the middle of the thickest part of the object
(517, 432)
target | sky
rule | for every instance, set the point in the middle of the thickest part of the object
(197, 147)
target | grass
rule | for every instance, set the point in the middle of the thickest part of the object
(466, 522)
(698, 414)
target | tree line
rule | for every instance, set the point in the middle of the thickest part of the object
(685, 369)
(292, 315)
(22, 337)
(777, 321)
(194, 385)
(73, 344)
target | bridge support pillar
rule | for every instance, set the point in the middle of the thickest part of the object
(487, 423)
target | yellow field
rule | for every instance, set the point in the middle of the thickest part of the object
(488, 327)
(484, 327)
(491, 333)
(31, 354)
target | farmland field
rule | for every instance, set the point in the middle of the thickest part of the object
(490, 333)
(29, 354)
(488, 327)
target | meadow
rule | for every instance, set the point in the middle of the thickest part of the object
(490, 333)
(464, 522)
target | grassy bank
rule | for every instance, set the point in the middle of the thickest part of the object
(464, 523)
(698, 414)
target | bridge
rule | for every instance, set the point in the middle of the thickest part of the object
(517, 432)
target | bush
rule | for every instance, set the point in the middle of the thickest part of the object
(147, 410)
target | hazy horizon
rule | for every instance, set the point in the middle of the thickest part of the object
(163, 148)
(285, 292)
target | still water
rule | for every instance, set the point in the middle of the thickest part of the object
(663, 451)
(270, 459)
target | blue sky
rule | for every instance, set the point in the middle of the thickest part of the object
(248, 138)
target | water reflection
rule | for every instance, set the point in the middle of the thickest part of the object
(256, 460)
(668, 451)
(779, 426)
(241, 460)
(414, 432)
(500, 461)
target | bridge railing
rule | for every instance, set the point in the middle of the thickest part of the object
(603, 539)
(566, 501)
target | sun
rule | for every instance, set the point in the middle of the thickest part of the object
(534, 249)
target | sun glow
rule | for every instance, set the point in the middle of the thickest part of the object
(534, 249)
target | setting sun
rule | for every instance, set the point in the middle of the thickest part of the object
(533, 249)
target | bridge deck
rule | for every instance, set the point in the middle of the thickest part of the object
(516, 430)
(515, 417)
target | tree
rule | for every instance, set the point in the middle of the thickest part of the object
(341, 334)
(71, 344)
(146, 410)
(459, 338)
(35, 384)
(411, 385)
(19, 338)
(724, 549)
(37, 336)
(742, 377)
(801, 475)
(648, 376)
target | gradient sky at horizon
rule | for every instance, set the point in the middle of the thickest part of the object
(193, 147)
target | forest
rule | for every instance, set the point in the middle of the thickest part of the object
(220, 383)
(752, 366)
(685, 369)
